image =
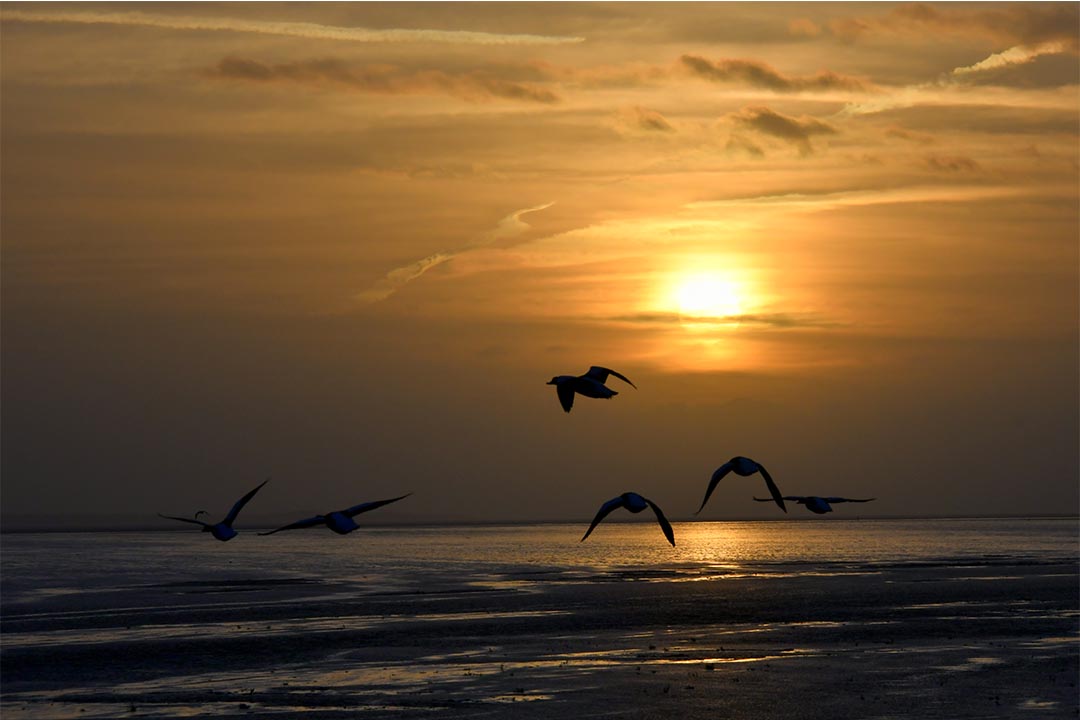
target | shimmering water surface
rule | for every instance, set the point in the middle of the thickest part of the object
(382, 558)
(949, 618)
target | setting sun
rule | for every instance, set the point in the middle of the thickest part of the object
(708, 295)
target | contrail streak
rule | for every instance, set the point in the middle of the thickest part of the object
(399, 277)
(294, 29)
(1013, 56)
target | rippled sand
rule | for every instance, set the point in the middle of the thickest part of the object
(891, 641)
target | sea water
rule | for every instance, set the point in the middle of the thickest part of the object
(942, 618)
(49, 567)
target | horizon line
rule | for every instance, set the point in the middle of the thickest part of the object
(495, 523)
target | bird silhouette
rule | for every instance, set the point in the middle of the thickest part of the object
(634, 503)
(223, 530)
(745, 467)
(591, 384)
(340, 521)
(815, 504)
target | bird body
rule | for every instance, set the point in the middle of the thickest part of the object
(591, 384)
(744, 467)
(340, 521)
(633, 503)
(815, 504)
(223, 530)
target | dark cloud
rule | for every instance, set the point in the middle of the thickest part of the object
(758, 74)
(796, 131)
(951, 163)
(903, 134)
(639, 118)
(737, 143)
(473, 85)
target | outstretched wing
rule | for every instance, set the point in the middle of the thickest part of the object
(566, 396)
(792, 498)
(772, 487)
(364, 507)
(716, 477)
(840, 500)
(231, 517)
(600, 375)
(604, 511)
(187, 520)
(300, 524)
(664, 524)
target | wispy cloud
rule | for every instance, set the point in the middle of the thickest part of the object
(292, 29)
(818, 201)
(1013, 23)
(397, 278)
(773, 320)
(386, 79)
(796, 131)
(758, 74)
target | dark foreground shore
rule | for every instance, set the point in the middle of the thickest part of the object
(898, 641)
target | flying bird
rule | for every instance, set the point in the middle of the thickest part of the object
(223, 530)
(591, 384)
(816, 504)
(745, 467)
(340, 521)
(634, 503)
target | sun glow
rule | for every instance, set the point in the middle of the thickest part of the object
(707, 295)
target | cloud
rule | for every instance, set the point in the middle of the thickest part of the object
(774, 320)
(635, 74)
(472, 85)
(796, 131)
(817, 200)
(1016, 24)
(803, 27)
(951, 163)
(737, 143)
(997, 94)
(292, 29)
(904, 134)
(848, 29)
(639, 118)
(1018, 55)
(397, 278)
(1028, 23)
(758, 74)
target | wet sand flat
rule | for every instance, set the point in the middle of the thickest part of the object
(895, 641)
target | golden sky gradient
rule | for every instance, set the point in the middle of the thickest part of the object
(345, 245)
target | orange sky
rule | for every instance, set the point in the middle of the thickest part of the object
(345, 245)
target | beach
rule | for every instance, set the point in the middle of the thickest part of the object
(925, 637)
